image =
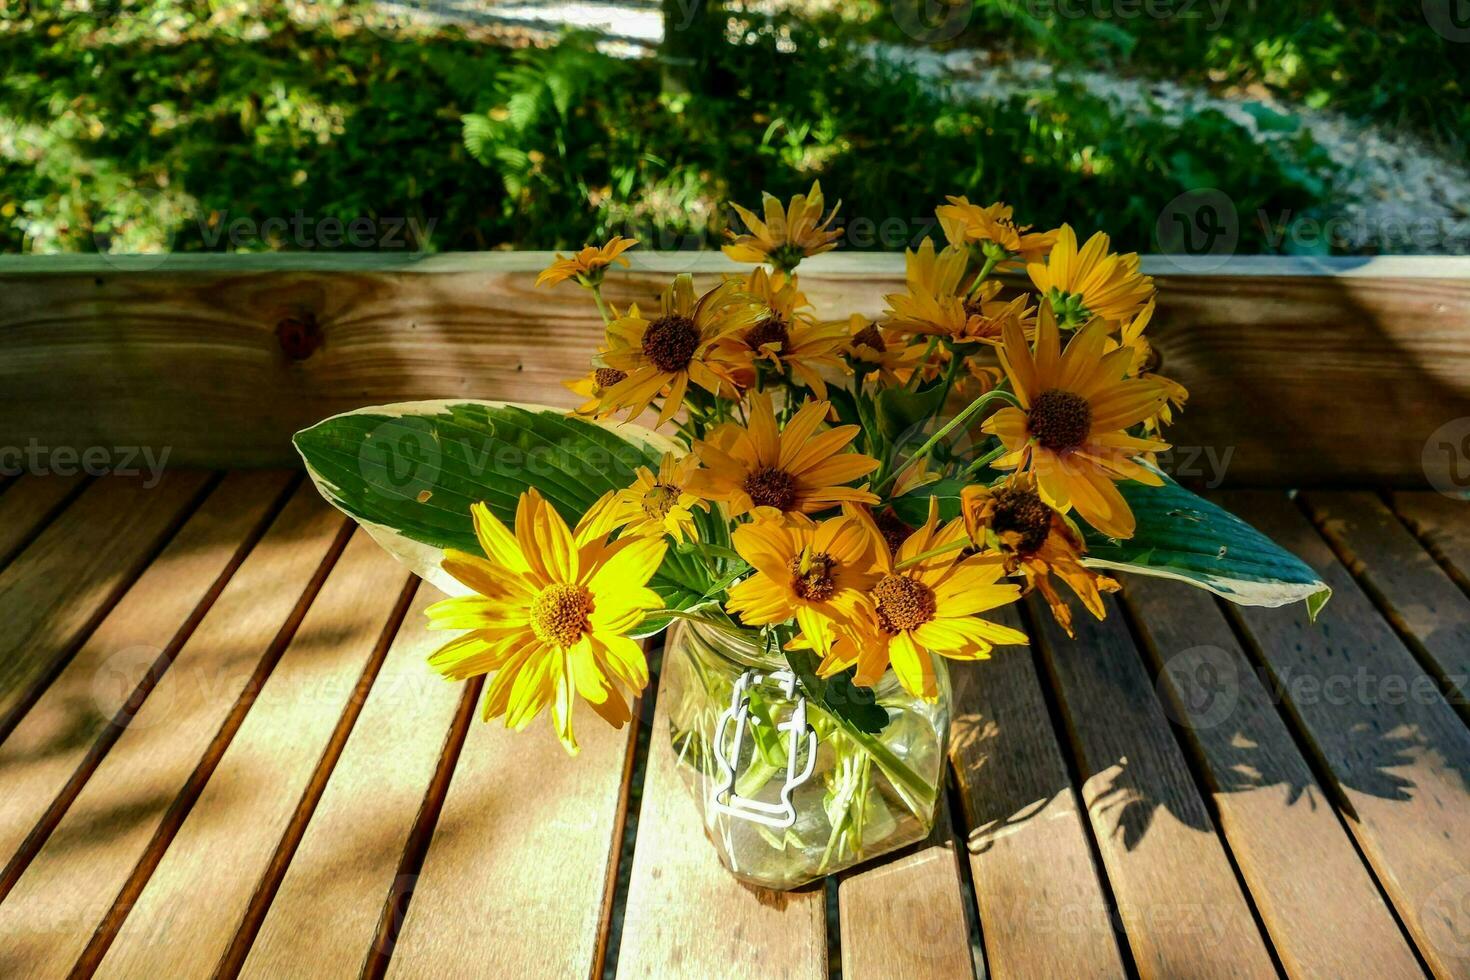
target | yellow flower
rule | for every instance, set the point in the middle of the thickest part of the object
(936, 304)
(588, 265)
(676, 347)
(787, 235)
(592, 386)
(816, 573)
(1091, 283)
(882, 353)
(659, 505)
(550, 615)
(787, 336)
(1070, 427)
(992, 231)
(929, 607)
(790, 471)
(1035, 539)
(1145, 360)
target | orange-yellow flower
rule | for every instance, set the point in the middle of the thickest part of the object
(919, 608)
(549, 616)
(592, 386)
(792, 471)
(676, 347)
(788, 336)
(992, 230)
(1071, 427)
(1145, 361)
(787, 235)
(1035, 539)
(1092, 283)
(588, 265)
(883, 353)
(814, 573)
(659, 504)
(936, 303)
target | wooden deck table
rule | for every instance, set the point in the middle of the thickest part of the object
(222, 752)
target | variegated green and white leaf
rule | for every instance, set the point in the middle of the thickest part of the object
(1180, 536)
(408, 473)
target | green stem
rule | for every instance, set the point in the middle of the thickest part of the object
(985, 271)
(908, 782)
(961, 544)
(596, 290)
(955, 362)
(969, 411)
(730, 628)
(985, 460)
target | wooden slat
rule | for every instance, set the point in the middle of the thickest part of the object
(1319, 903)
(55, 746)
(340, 877)
(1397, 752)
(27, 504)
(187, 355)
(1443, 526)
(1177, 895)
(1043, 912)
(67, 580)
(170, 746)
(1410, 588)
(517, 878)
(905, 916)
(197, 897)
(686, 916)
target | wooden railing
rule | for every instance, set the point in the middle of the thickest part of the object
(1301, 371)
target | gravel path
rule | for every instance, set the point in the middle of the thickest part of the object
(1390, 192)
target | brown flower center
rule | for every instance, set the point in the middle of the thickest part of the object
(605, 377)
(1060, 420)
(559, 614)
(903, 603)
(1024, 513)
(670, 342)
(812, 579)
(894, 531)
(870, 337)
(772, 330)
(1152, 361)
(659, 499)
(973, 308)
(771, 487)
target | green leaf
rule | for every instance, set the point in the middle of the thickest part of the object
(838, 694)
(913, 507)
(478, 134)
(408, 474)
(902, 413)
(1180, 536)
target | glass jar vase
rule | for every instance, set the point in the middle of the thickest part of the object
(789, 791)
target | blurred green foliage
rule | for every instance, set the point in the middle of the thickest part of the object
(164, 123)
(1378, 58)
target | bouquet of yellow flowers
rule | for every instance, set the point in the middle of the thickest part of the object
(821, 511)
